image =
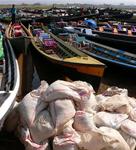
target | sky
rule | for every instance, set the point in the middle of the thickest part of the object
(126, 2)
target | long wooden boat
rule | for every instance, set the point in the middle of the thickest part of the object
(9, 79)
(116, 40)
(71, 62)
(19, 37)
(108, 55)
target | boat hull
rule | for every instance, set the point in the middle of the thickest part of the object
(20, 44)
(11, 82)
(53, 70)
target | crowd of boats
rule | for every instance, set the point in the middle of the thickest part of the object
(27, 15)
(79, 49)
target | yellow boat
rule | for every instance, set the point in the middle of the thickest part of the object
(68, 60)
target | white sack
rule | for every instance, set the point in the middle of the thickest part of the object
(84, 122)
(103, 139)
(129, 127)
(25, 138)
(130, 140)
(59, 89)
(116, 103)
(107, 119)
(61, 112)
(42, 127)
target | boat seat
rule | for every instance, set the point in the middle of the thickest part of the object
(37, 31)
(64, 36)
(80, 42)
(44, 36)
(49, 43)
(80, 39)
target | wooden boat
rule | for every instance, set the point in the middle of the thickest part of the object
(108, 55)
(116, 40)
(19, 37)
(71, 62)
(9, 79)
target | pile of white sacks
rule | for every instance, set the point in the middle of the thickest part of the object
(69, 116)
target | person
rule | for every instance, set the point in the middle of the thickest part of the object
(13, 13)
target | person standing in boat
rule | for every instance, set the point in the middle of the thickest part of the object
(13, 14)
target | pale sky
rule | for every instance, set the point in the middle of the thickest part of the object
(126, 2)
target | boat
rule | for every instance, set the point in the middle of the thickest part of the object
(19, 37)
(9, 79)
(117, 40)
(67, 60)
(108, 55)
